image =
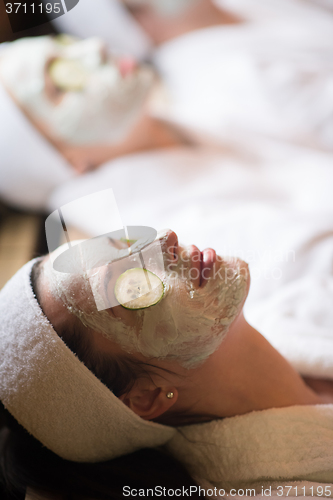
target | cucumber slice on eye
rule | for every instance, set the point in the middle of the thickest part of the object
(138, 289)
(67, 74)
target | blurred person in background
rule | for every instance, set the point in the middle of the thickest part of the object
(71, 108)
(235, 71)
(236, 75)
(68, 107)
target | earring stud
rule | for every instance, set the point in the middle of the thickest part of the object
(170, 395)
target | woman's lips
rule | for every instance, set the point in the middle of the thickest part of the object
(202, 265)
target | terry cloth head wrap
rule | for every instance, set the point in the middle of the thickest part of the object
(30, 167)
(53, 395)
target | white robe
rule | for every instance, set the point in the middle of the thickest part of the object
(269, 76)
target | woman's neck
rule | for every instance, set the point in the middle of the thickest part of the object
(246, 374)
(148, 134)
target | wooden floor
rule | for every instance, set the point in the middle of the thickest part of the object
(20, 236)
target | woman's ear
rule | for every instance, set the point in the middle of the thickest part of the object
(150, 403)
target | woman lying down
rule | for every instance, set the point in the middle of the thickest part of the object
(87, 393)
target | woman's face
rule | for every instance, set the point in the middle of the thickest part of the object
(204, 294)
(74, 89)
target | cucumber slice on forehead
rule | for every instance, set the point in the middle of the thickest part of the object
(68, 74)
(138, 289)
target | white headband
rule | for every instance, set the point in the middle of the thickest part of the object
(30, 167)
(109, 20)
(53, 395)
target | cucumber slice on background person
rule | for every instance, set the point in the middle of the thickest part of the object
(68, 74)
(138, 288)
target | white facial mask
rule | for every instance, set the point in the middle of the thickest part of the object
(103, 111)
(187, 325)
(167, 8)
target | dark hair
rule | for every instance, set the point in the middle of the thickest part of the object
(26, 463)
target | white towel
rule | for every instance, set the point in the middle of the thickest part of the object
(30, 167)
(274, 445)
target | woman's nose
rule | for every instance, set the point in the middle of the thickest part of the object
(126, 65)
